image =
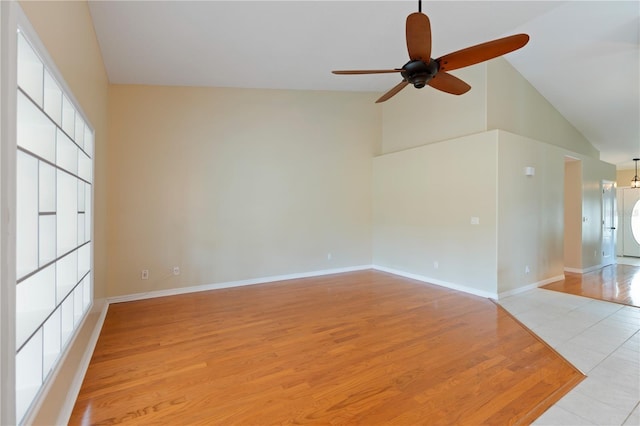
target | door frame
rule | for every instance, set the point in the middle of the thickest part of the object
(609, 222)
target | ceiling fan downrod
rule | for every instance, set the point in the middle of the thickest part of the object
(420, 6)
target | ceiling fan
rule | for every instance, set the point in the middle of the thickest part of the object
(422, 69)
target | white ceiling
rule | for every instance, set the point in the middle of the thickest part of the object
(583, 55)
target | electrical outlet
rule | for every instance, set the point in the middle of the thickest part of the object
(329, 256)
(176, 270)
(436, 265)
(526, 269)
(144, 275)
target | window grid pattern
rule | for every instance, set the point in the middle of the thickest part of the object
(54, 165)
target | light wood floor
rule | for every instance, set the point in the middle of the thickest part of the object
(614, 283)
(358, 348)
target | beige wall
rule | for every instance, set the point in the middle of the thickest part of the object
(67, 32)
(532, 231)
(66, 29)
(573, 214)
(514, 105)
(624, 177)
(500, 98)
(418, 117)
(234, 184)
(530, 212)
(423, 202)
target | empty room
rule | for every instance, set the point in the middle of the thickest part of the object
(324, 212)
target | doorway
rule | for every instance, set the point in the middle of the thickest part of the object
(629, 222)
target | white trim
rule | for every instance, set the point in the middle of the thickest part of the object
(8, 84)
(437, 282)
(21, 22)
(530, 286)
(41, 50)
(229, 284)
(593, 268)
(584, 271)
(74, 389)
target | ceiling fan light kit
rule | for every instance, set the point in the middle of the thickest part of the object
(422, 69)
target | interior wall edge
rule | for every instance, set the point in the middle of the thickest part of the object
(421, 117)
(514, 104)
(530, 212)
(424, 228)
(493, 132)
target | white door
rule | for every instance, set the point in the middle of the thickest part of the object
(631, 226)
(608, 223)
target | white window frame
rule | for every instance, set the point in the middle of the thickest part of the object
(8, 90)
(11, 18)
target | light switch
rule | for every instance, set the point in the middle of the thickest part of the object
(475, 220)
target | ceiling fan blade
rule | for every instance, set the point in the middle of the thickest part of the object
(398, 87)
(482, 52)
(449, 83)
(419, 37)
(348, 72)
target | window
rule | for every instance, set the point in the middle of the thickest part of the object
(635, 221)
(54, 174)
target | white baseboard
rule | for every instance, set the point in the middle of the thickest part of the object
(76, 384)
(584, 271)
(437, 282)
(530, 286)
(229, 284)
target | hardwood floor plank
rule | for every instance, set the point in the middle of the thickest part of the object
(614, 283)
(357, 348)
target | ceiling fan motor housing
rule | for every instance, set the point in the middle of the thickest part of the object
(419, 72)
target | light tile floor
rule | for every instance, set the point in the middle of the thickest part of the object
(601, 339)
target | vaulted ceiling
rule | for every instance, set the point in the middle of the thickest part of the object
(583, 55)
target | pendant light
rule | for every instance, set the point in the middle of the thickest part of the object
(635, 182)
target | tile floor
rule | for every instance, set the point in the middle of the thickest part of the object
(602, 339)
